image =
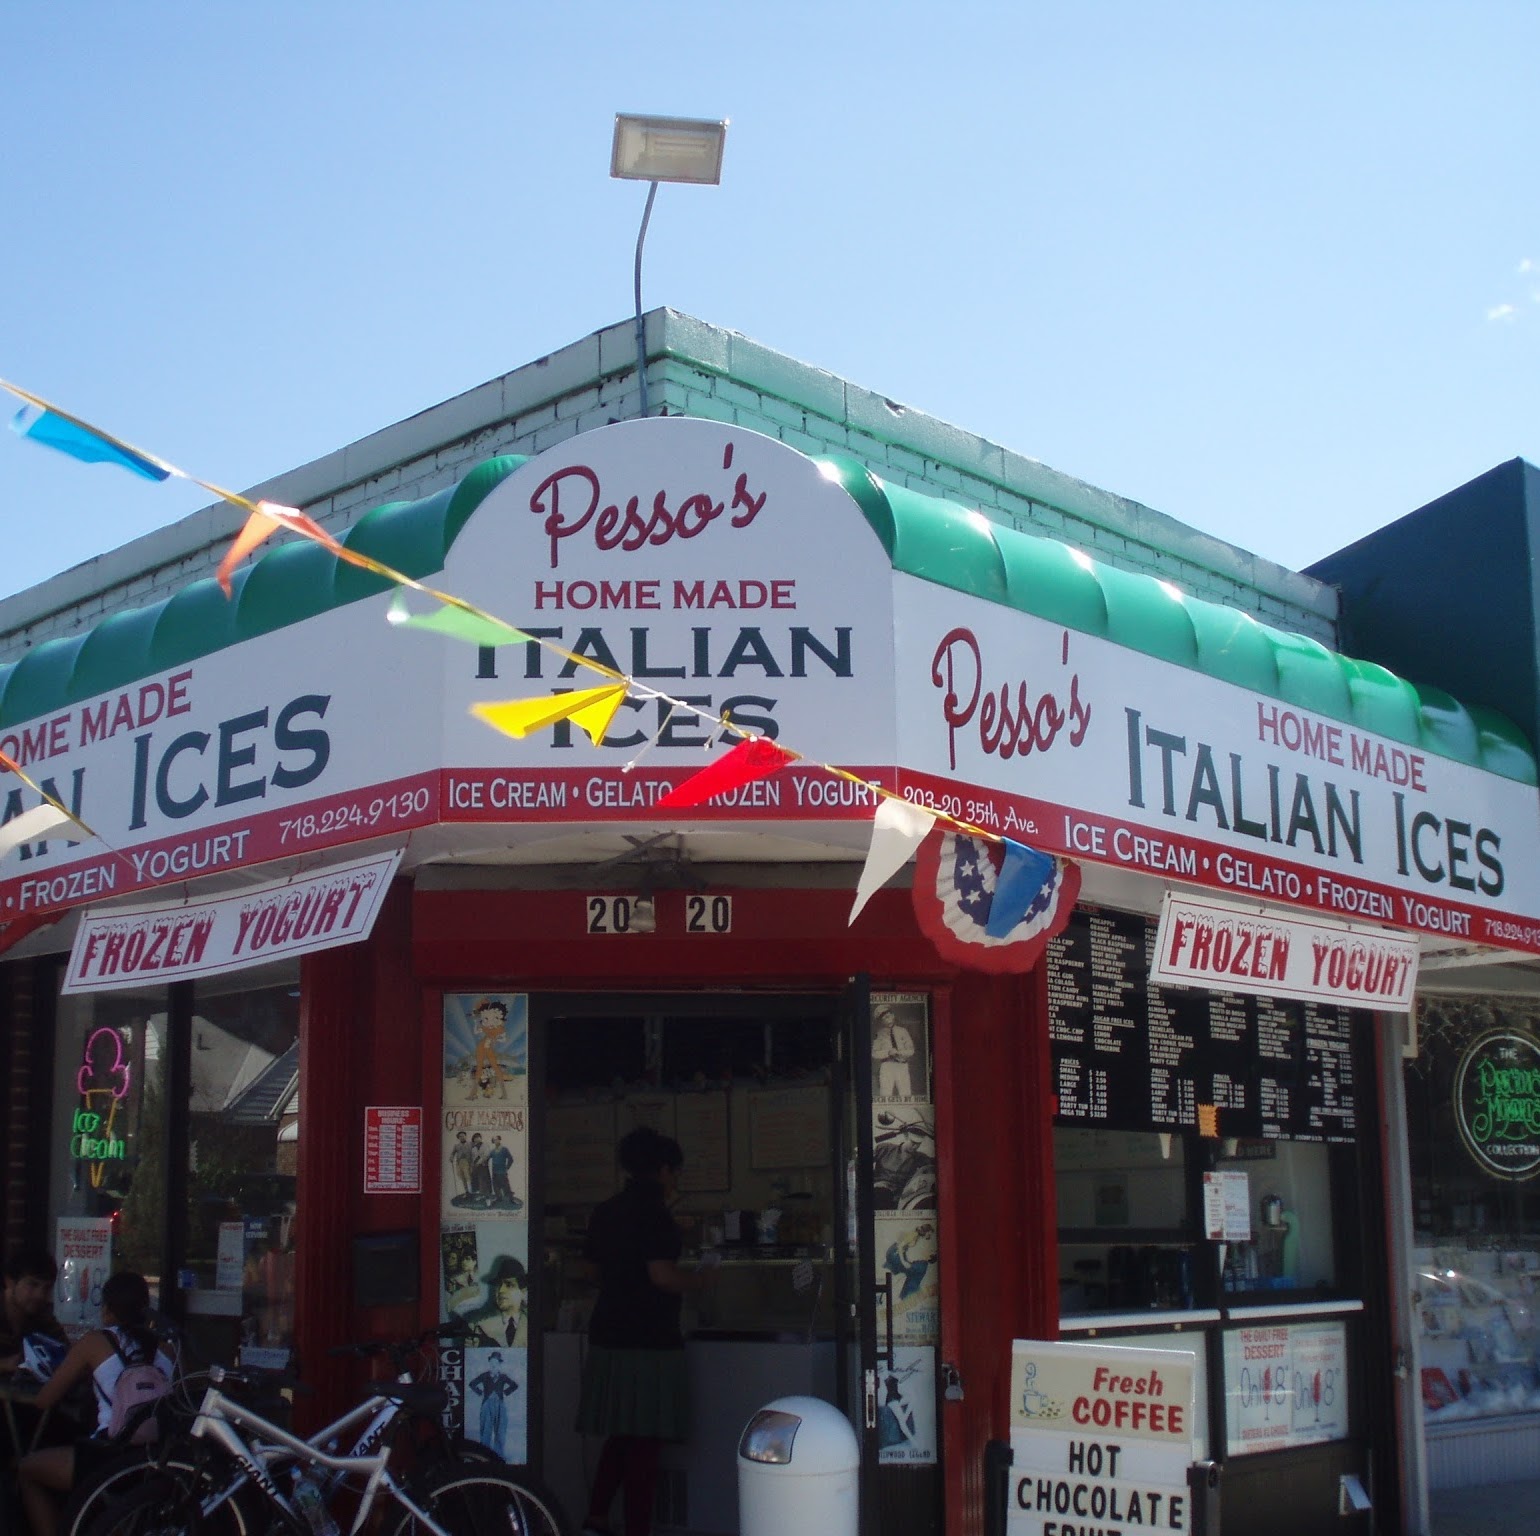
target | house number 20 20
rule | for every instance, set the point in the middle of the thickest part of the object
(708, 914)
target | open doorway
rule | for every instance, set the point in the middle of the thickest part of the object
(750, 1088)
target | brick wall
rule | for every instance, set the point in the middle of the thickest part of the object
(698, 370)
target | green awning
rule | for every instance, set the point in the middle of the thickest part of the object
(925, 536)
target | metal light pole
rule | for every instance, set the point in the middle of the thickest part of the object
(658, 149)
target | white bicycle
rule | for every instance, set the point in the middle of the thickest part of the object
(238, 1471)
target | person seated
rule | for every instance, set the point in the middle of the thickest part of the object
(31, 1341)
(100, 1357)
(29, 1275)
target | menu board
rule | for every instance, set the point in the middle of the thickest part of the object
(1143, 1058)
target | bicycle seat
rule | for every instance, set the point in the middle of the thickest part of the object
(425, 1397)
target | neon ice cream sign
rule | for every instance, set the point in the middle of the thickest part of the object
(102, 1083)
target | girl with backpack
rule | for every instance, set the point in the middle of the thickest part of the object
(127, 1368)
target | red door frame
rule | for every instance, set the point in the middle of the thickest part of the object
(370, 1035)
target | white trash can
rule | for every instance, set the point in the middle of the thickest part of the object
(797, 1463)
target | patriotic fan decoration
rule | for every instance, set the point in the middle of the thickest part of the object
(991, 907)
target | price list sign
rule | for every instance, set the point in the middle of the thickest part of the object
(1129, 1055)
(393, 1149)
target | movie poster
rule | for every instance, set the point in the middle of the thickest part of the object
(906, 1408)
(485, 1147)
(907, 1255)
(476, 1258)
(497, 1400)
(900, 1023)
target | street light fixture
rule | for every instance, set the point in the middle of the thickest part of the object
(656, 149)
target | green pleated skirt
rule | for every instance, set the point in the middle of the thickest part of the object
(635, 1392)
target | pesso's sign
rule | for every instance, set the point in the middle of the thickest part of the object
(723, 573)
(717, 569)
(1215, 944)
(1082, 747)
(1497, 1103)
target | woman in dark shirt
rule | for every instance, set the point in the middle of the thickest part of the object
(634, 1388)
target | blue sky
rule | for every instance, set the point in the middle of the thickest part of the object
(1273, 270)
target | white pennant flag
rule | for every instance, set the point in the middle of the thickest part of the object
(30, 826)
(897, 830)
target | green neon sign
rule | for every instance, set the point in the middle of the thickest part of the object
(1497, 1103)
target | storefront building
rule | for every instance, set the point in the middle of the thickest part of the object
(333, 1026)
(1447, 594)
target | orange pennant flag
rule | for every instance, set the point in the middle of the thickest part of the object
(257, 527)
(268, 518)
(756, 757)
(591, 709)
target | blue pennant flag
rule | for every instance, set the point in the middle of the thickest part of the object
(80, 442)
(1023, 877)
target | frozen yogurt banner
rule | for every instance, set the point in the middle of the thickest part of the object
(1217, 945)
(174, 941)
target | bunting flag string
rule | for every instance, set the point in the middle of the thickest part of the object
(898, 828)
(1026, 893)
(54, 429)
(50, 802)
(650, 743)
(755, 757)
(32, 826)
(457, 624)
(592, 709)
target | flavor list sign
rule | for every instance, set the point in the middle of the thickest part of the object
(1135, 1056)
(172, 941)
(1205, 943)
(1101, 1438)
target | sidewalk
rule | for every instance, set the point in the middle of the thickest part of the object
(1500, 1509)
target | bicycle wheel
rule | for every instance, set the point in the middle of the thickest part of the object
(140, 1496)
(483, 1503)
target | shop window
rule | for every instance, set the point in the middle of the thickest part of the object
(107, 1165)
(1132, 1232)
(1473, 1114)
(1289, 1203)
(192, 1089)
(1126, 1233)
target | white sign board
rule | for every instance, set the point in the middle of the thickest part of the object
(1285, 1385)
(1214, 944)
(84, 1257)
(1227, 1207)
(1101, 1437)
(172, 941)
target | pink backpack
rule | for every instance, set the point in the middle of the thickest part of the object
(140, 1385)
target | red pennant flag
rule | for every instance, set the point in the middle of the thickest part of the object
(756, 757)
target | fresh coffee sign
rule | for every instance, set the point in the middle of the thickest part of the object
(1497, 1103)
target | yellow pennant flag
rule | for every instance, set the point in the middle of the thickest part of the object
(591, 709)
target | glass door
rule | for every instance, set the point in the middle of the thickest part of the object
(890, 1275)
